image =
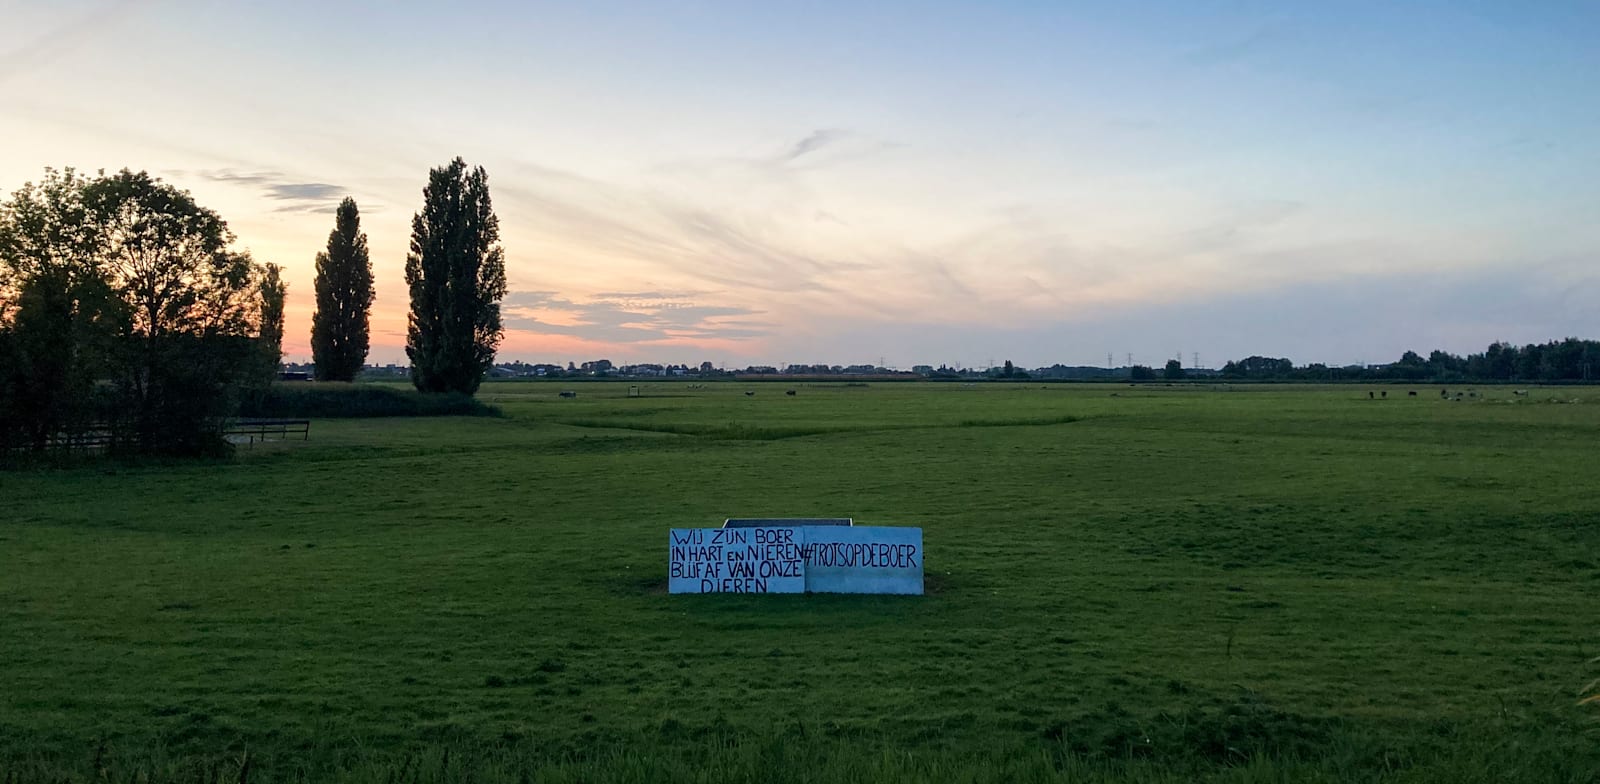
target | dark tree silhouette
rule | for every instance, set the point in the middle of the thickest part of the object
(273, 293)
(457, 275)
(56, 314)
(340, 329)
(190, 310)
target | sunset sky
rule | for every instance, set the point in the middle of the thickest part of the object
(844, 182)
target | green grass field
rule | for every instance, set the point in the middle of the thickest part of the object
(1145, 584)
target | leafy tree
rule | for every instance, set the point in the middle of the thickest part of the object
(1590, 359)
(8, 279)
(340, 329)
(1258, 367)
(1530, 361)
(1411, 366)
(43, 382)
(1564, 360)
(169, 259)
(1141, 373)
(121, 279)
(12, 432)
(1173, 371)
(189, 310)
(457, 276)
(1496, 362)
(1446, 366)
(55, 312)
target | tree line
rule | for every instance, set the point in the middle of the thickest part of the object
(1571, 359)
(129, 319)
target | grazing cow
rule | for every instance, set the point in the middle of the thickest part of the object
(569, 394)
(1520, 392)
(750, 393)
(1369, 394)
(1444, 393)
(1385, 394)
(1412, 393)
(790, 393)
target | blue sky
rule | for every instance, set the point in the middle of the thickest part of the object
(920, 182)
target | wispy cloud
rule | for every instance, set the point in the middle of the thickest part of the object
(730, 255)
(304, 191)
(54, 43)
(1229, 231)
(649, 296)
(1028, 266)
(1024, 267)
(827, 147)
(698, 245)
(816, 140)
(302, 196)
(629, 322)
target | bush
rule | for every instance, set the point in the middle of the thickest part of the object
(335, 400)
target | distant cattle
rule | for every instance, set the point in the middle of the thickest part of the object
(1370, 395)
(790, 393)
(750, 393)
(1520, 392)
(1385, 394)
(1412, 393)
(569, 394)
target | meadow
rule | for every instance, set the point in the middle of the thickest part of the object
(1151, 584)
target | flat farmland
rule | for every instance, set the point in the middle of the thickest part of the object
(1152, 583)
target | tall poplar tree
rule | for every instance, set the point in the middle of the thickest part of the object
(270, 333)
(457, 274)
(340, 329)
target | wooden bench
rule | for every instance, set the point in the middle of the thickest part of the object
(260, 429)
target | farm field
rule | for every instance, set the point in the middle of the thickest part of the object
(1153, 584)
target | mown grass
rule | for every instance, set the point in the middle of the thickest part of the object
(1168, 584)
(799, 757)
